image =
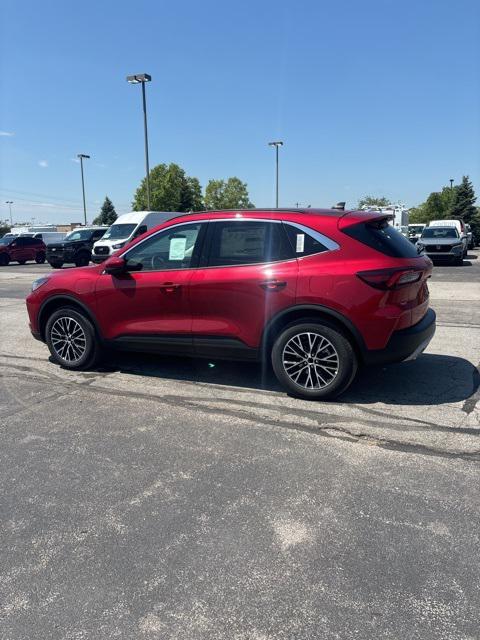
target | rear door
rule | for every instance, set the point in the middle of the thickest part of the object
(248, 274)
(20, 249)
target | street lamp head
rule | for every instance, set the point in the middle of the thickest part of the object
(8, 201)
(276, 143)
(138, 78)
(82, 155)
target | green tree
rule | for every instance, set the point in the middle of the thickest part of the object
(107, 215)
(230, 194)
(372, 201)
(438, 206)
(170, 190)
(464, 202)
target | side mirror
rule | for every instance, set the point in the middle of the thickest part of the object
(115, 265)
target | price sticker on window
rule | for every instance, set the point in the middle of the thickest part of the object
(177, 248)
(300, 242)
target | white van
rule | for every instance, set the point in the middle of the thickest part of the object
(126, 228)
(459, 226)
(49, 236)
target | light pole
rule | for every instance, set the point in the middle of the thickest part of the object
(276, 144)
(10, 202)
(142, 78)
(451, 183)
(82, 156)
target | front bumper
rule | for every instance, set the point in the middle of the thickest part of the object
(405, 344)
(98, 259)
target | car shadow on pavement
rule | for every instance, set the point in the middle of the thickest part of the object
(432, 379)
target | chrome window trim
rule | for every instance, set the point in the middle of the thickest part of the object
(330, 245)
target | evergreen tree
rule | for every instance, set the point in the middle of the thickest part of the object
(107, 215)
(464, 203)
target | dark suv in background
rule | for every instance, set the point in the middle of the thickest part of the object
(76, 248)
(21, 249)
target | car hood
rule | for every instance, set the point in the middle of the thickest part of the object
(440, 240)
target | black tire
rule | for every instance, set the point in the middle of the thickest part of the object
(458, 261)
(68, 321)
(4, 259)
(340, 360)
(82, 260)
(56, 265)
(40, 258)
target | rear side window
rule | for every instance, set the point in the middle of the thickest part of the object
(382, 237)
(305, 242)
(241, 242)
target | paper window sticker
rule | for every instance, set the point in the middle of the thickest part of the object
(177, 249)
(300, 242)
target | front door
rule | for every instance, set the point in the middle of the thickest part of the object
(151, 302)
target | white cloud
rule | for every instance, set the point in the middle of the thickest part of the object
(7, 134)
(43, 164)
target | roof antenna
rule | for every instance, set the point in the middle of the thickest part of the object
(340, 206)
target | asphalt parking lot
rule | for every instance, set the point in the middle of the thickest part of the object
(171, 498)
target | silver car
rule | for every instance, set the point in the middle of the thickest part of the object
(441, 242)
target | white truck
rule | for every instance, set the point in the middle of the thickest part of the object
(398, 213)
(127, 227)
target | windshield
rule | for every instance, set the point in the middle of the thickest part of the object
(79, 234)
(119, 231)
(440, 232)
(415, 228)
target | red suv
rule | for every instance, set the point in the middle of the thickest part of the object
(317, 292)
(21, 249)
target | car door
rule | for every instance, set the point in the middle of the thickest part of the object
(19, 249)
(249, 274)
(150, 302)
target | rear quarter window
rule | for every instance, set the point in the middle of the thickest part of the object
(382, 237)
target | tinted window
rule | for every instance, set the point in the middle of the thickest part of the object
(22, 242)
(79, 234)
(119, 231)
(303, 243)
(440, 232)
(171, 249)
(239, 242)
(381, 236)
(98, 234)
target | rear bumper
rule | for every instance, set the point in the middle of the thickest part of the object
(404, 344)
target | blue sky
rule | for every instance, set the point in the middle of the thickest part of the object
(373, 96)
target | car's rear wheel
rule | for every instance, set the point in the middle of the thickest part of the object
(72, 340)
(82, 260)
(40, 258)
(314, 360)
(4, 259)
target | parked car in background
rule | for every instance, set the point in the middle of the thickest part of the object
(317, 292)
(459, 226)
(21, 249)
(50, 236)
(126, 228)
(471, 240)
(442, 243)
(415, 231)
(75, 248)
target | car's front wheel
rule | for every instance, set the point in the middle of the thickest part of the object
(314, 360)
(40, 258)
(72, 340)
(82, 260)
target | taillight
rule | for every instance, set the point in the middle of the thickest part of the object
(390, 278)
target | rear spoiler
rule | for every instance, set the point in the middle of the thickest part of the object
(352, 218)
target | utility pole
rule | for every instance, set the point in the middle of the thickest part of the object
(82, 156)
(10, 202)
(276, 144)
(143, 78)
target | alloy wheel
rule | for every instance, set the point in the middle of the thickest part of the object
(310, 360)
(68, 339)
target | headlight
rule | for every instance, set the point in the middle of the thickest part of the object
(119, 245)
(38, 283)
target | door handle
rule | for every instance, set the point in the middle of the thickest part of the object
(273, 285)
(169, 287)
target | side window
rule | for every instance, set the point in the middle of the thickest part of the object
(98, 234)
(21, 242)
(174, 248)
(141, 229)
(241, 242)
(306, 242)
